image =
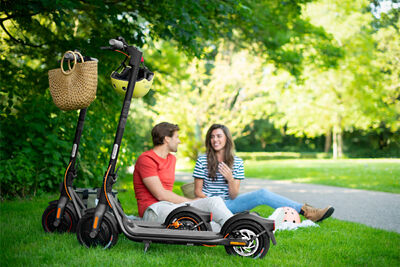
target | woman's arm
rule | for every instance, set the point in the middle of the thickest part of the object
(198, 188)
(233, 184)
(234, 187)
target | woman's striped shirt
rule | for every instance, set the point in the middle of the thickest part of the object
(219, 187)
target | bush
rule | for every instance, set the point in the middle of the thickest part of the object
(36, 140)
(15, 177)
(281, 155)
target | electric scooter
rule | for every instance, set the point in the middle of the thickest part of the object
(245, 234)
(62, 215)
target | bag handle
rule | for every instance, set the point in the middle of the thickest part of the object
(69, 65)
(75, 53)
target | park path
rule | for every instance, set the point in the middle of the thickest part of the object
(376, 209)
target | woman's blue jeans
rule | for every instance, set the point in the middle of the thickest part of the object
(250, 200)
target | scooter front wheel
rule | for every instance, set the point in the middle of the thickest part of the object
(68, 221)
(257, 246)
(107, 235)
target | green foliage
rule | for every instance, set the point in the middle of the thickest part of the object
(361, 92)
(261, 135)
(36, 33)
(33, 151)
(275, 38)
(266, 26)
(372, 143)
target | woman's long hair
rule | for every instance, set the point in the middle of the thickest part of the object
(212, 160)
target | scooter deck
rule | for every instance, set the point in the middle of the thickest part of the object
(169, 233)
(147, 224)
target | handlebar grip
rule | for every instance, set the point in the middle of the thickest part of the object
(69, 56)
(116, 44)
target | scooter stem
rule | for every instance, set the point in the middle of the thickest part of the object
(98, 217)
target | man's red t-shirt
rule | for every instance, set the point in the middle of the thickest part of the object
(150, 164)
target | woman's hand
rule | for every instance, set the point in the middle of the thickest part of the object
(225, 171)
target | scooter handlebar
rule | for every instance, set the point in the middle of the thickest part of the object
(69, 56)
(116, 44)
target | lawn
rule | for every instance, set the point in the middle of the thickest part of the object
(334, 243)
(370, 174)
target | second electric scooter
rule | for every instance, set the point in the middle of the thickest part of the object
(62, 215)
(245, 234)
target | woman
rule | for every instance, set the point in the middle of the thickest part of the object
(219, 172)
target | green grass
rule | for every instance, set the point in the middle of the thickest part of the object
(370, 174)
(334, 243)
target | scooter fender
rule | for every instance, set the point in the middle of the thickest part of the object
(205, 216)
(267, 225)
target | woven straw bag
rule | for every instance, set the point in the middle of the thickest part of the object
(188, 190)
(76, 88)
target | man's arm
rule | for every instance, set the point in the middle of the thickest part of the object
(153, 184)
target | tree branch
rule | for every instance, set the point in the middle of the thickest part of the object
(15, 39)
(16, 16)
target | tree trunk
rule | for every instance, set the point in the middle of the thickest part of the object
(335, 145)
(328, 141)
(340, 144)
(337, 139)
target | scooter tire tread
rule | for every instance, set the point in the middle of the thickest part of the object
(264, 240)
(69, 219)
(107, 236)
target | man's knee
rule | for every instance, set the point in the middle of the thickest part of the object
(151, 216)
(216, 201)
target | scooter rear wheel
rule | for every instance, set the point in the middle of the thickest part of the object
(186, 221)
(68, 223)
(107, 235)
(247, 230)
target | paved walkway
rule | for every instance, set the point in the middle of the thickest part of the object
(372, 208)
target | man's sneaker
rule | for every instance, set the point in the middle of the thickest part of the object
(317, 215)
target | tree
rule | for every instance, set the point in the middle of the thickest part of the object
(35, 136)
(222, 90)
(351, 95)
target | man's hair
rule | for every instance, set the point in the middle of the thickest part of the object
(161, 130)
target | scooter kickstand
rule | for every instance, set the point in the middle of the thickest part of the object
(146, 245)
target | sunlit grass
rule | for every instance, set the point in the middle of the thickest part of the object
(370, 174)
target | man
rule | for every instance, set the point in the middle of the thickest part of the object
(154, 178)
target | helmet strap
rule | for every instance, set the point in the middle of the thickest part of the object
(122, 65)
